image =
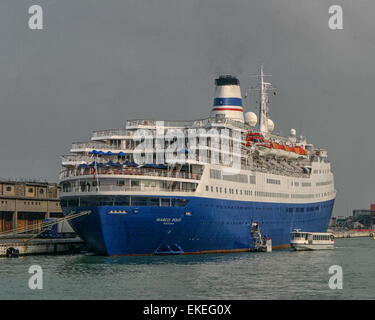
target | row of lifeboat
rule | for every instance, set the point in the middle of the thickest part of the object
(268, 148)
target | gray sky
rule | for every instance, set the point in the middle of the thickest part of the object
(97, 63)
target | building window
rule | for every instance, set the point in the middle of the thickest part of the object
(9, 189)
(41, 191)
(30, 190)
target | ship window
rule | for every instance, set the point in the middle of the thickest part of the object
(165, 202)
(306, 184)
(179, 202)
(134, 183)
(273, 181)
(125, 201)
(145, 201)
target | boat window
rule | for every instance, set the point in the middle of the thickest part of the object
(165, 202)
(145, 201)
(134, 183)
(123, 201)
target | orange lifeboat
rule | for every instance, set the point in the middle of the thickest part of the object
(299, 150)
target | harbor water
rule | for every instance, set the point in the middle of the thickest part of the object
(282, 274)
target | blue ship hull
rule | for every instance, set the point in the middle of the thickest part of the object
(204, 225)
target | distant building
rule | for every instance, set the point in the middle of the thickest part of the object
(332, 222)
(361, 212)
(25, 204)
(365, 217)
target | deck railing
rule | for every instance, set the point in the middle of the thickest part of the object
(112, 132)
(129, 171)
(115, 188)
(95, 146)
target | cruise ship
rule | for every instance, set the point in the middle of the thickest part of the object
(187, 187)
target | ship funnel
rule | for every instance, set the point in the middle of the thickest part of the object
(228, 100)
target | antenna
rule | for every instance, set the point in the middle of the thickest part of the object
(263, 89)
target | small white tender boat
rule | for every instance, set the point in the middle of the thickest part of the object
(312, 240)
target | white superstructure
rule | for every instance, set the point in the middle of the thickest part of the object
(274, 169)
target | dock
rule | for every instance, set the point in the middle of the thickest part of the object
(40, 246)
(353, 233)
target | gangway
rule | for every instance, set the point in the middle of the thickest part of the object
(42, 226)
(260, 243)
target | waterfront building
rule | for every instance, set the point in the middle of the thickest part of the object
(27, 203)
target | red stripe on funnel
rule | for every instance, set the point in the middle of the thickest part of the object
(228, 109)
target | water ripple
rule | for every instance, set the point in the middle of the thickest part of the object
(277, 275)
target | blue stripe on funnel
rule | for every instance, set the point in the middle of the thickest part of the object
(228, 102)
